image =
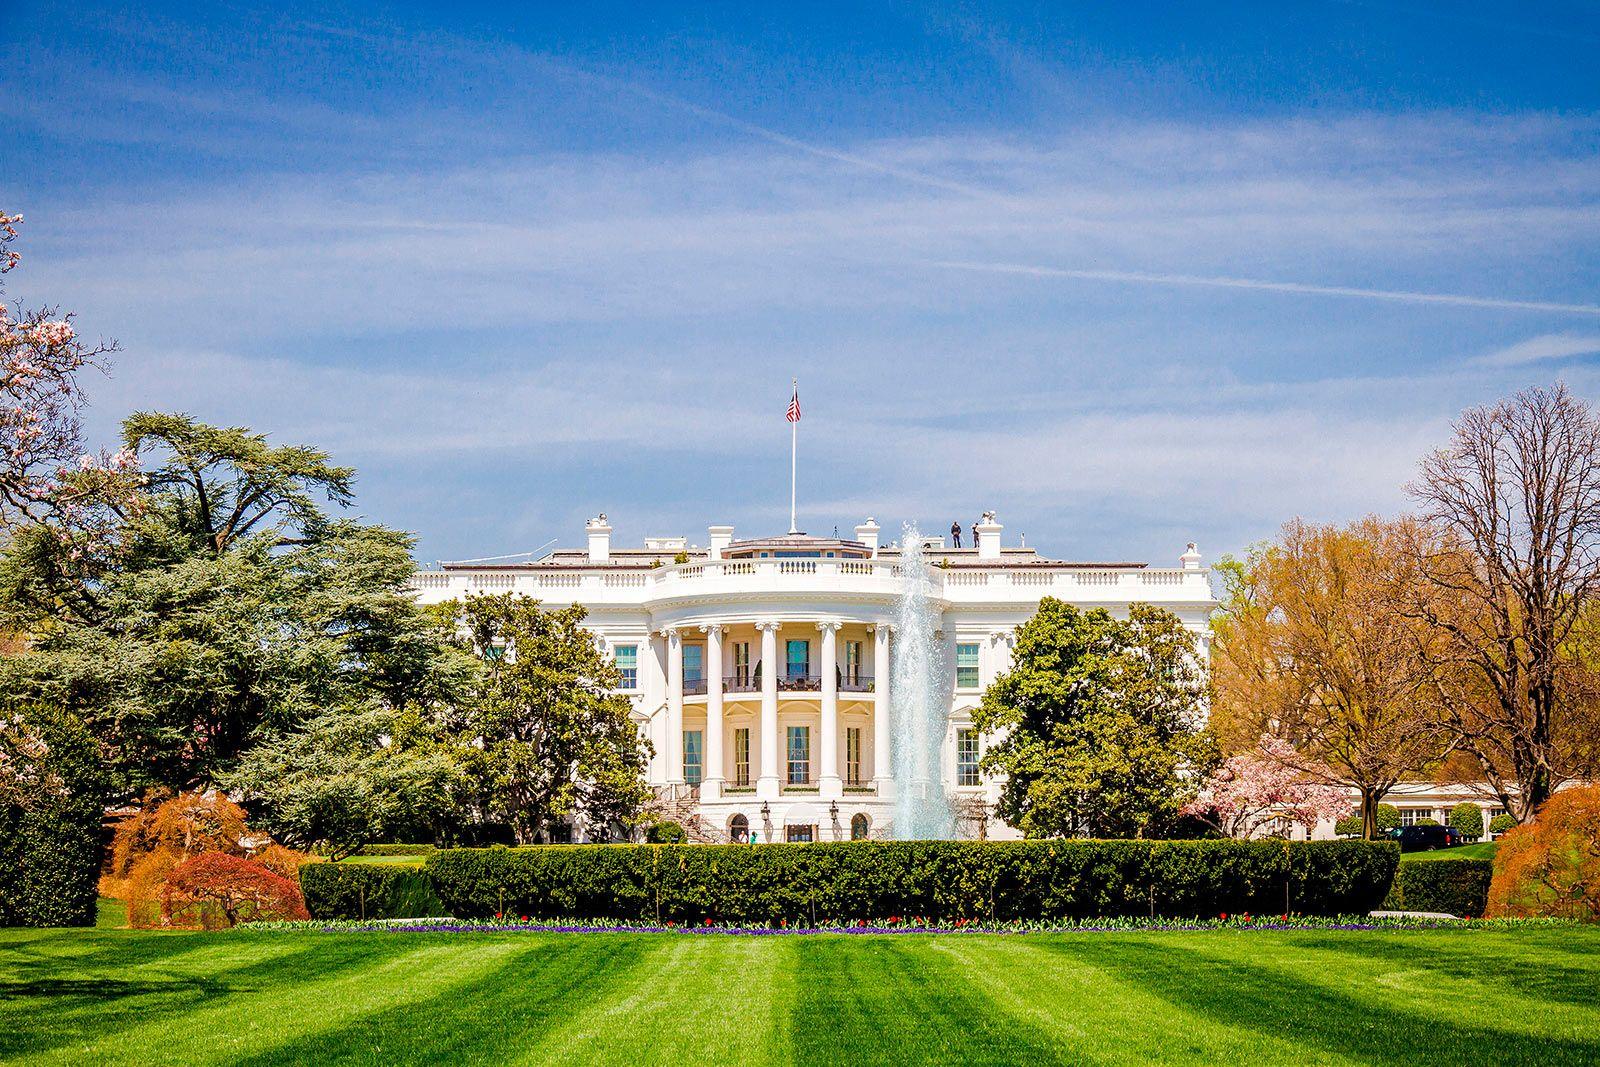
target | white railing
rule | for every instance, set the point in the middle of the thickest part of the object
(957, 584)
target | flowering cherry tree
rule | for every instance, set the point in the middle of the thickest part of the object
(1254, 790)
(44, 471)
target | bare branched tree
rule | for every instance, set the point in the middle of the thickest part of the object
(1515, 501)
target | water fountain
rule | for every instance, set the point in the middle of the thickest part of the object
(919, 703)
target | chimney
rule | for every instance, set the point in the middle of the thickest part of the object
(867, 534)
(721, 538)
(989, 537)
(1191, 558)
(599, 538)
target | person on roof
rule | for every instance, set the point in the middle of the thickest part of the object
(955, 533)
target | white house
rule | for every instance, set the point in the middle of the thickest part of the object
(760, 669)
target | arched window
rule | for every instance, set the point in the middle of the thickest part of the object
(738, 828)
(859, 827)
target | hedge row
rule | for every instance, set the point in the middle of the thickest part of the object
(368, 891)
(940, 879)
(1459, 887)
(397, 850)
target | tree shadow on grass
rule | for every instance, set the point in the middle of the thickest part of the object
(1281, 1007)
(893, 1001)
(50, 1002)
(1538, 979)
(491, 1017)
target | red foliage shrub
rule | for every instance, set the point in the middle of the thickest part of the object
(242, 890)
(1551, 867)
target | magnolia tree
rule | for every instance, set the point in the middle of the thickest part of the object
(44, 470)
(25, 777)
(1252, 791)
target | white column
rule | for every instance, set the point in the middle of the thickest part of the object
(767, 783)
(711, 785)
(882, 769)
(674, 707)
(828, 782)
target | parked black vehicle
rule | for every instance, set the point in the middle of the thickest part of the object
(1426, 838)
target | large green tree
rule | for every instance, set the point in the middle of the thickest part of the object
(351, 777)
(1099, 723)
(218, 604)
(551, 737)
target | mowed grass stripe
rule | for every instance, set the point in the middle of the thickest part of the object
(1331, 1009)
(891, 1000)
(1095, 1013)
(523, 989)
(688, 1000)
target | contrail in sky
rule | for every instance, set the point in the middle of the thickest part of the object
(1403, 296)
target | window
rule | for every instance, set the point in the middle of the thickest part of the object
(967, 666)
(799, 833)
(741, 663)
(741, 756)
(852, 755)
(628, 665)
(739, 829)
(694, 663)
(799, 755)
(694, 767)
(799, 659)
(967, 757)
(859, 827)
(1412, 816)
(852, 662)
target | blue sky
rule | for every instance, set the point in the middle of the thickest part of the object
(1129, 275)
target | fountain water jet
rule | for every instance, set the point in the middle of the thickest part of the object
(919, 703)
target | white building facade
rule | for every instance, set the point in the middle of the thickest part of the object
(761, 670)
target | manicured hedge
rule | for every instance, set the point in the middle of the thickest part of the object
(1460, 887)
(368, 891)
(50, 849)
(397, 850)
(940, 879)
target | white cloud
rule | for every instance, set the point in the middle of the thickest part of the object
(1545, 347)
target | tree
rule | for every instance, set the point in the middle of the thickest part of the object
(226, 607)
(1313, 645)
(1098, 725)
(1254, 791)
(1551, 866)
(1515, 497)
(551, 738)
(41, 358)
(244, 891)
(350, 777)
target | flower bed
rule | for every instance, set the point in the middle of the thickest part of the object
(910, 925)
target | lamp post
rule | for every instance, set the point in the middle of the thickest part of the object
(833, 813)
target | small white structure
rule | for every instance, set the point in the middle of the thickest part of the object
(760, 668)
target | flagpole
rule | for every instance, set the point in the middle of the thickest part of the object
(794, 446)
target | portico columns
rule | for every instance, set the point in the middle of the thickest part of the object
(767, 783)
(674, 707)
(882, 729)
(828, 783)
(711, 784)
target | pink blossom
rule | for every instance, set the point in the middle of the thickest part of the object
(1252, 791)
(53, 334)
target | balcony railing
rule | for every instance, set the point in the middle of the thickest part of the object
(741, 683)
(800, 683)
(750, 682)
(694, 687)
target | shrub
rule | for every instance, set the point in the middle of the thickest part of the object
(1425, 821)
(397, 850)
(943, 879)
(50, 838)
(1501, 823)
(240, 890)
(665, 832)
(368, 891)
(1388, 817)
(1457, 886)
(1551, 867)
(1466, 818)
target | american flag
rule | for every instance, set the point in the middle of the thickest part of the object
(794, 406)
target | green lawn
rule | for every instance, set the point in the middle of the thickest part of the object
(1482, 850)
(1410, 997)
